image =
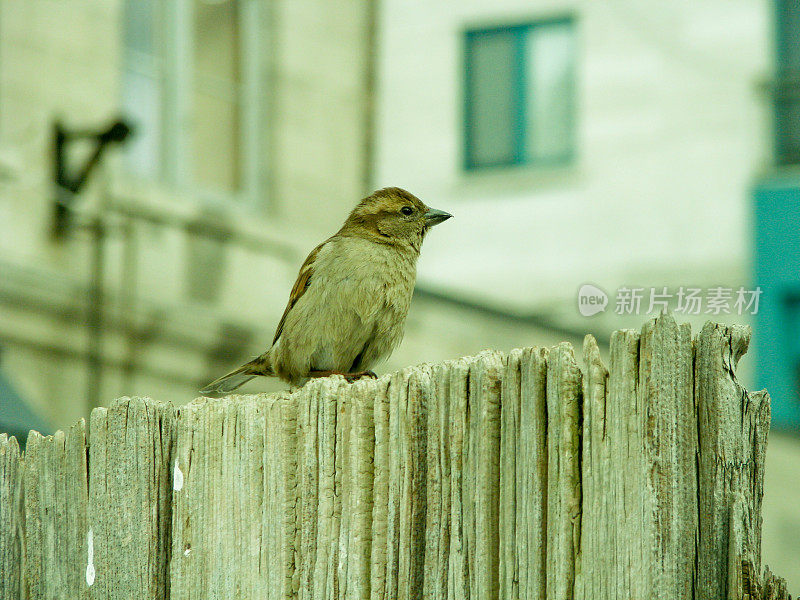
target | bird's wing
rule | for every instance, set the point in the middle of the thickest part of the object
(300, 286)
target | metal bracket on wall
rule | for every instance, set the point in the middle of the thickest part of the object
(68, 184)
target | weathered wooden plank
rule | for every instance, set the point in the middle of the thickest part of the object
(309, 422)
(413, 505)
(353, 456)
(438, 490)
(511, 395)
(483, 465)
(336, 429)
(669, 430)
(57, 555)
(532, 465)
(130, 499)
(234, 521)
(458, 579)
(620, 571)
(400, 499)
(743, 581)
(357, 543)
(523, 476)
(740, 567)
(398, 458)
(396, 450)
(280, 470)
(12, 518)
(326, 548)
(563, 471)
(639, 472)
(598, 531)
(733, 426)
(342, 489)
(380, 494)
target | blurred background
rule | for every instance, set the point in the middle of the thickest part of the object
(165, 167)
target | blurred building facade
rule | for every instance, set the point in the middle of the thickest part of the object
(249, 139)
(612, 143)
(576, 142)
(253, 132)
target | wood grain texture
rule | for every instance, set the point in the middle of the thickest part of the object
(323, 554)
(318, 515)
(391, 498)
(492, 477)
(12, 518)
(563, 472)
(485, 379)
(358, 474)
(56, 500)
(509, 449)
(459, 565)
(599, 528)
(437, 487)
(233, 523)
(621, 570)
(413, 514)
(771, 587)
(403, 447)
(669, 436)
(733, 425)
(380, 492)
(131, 444)
(523, 476)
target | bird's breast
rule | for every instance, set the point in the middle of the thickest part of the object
(354, 309)
(368, 276)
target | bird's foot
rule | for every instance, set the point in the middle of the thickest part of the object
(349, 377)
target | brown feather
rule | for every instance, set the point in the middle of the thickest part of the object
(299, 287)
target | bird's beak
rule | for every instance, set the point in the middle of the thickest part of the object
(434, 217)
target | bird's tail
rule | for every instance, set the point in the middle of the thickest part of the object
(234, 379)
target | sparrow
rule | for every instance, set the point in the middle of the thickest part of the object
(347, 309)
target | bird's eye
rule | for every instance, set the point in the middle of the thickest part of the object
(406, 210)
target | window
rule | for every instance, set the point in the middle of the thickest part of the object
(786, 99)
(190, 85)
(519, 95)
(216, 96)
(142, 89)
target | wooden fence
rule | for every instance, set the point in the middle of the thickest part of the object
(492, 477)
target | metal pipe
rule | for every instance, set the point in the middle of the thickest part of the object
(94, 315)
(127, 299)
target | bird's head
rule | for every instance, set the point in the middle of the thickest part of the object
(393, 215)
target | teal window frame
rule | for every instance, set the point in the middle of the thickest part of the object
(520, 34)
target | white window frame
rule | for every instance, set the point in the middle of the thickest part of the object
(175, 41)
